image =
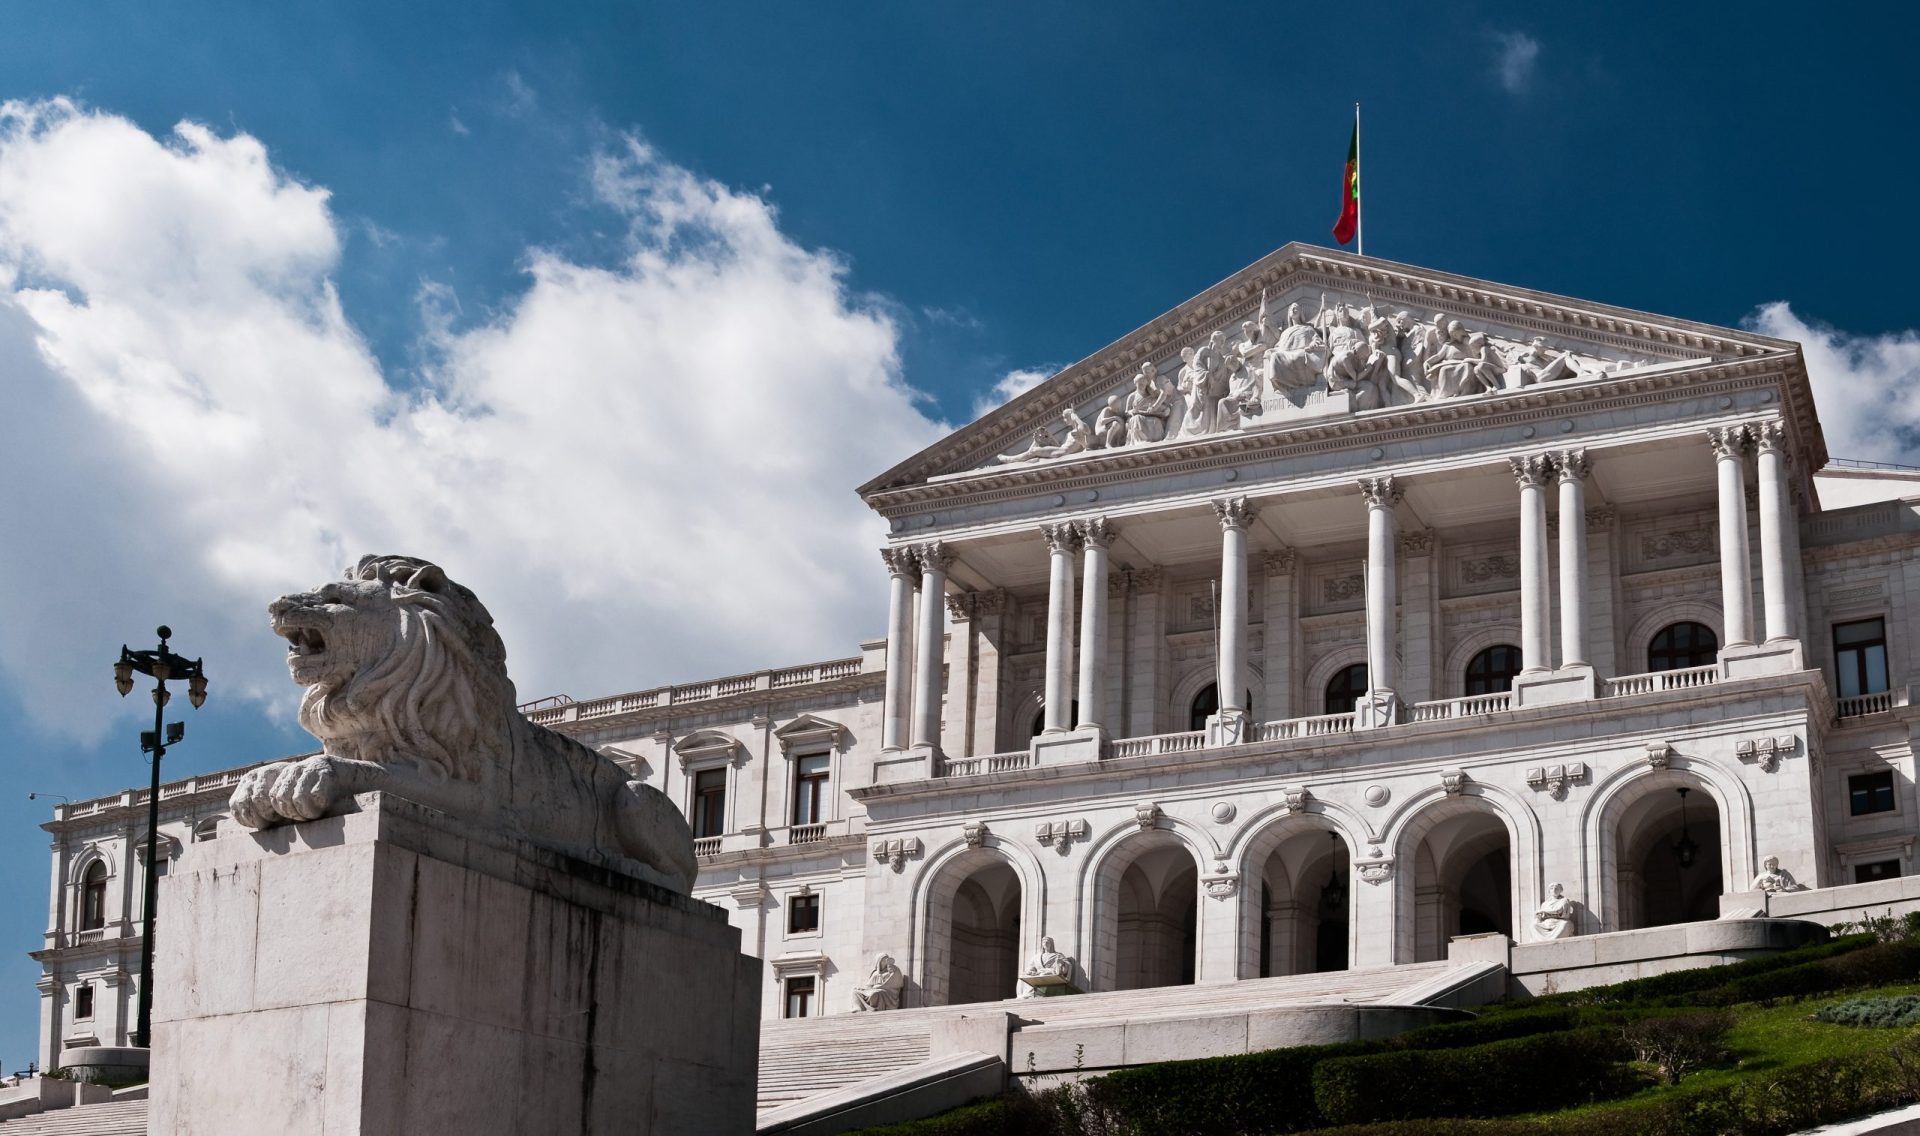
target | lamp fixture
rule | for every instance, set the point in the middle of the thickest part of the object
(1685, 849)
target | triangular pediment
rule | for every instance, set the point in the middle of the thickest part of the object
(1308, 335)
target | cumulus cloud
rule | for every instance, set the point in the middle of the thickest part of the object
(1011, 385)
(1867, 386)
(1514, 58)
(643, 466)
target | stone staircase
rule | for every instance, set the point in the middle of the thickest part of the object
(803, 1057)
(110, 1118)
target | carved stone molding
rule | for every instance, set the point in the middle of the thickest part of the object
(896, 851)
(974, 832)
(1688, 542)
(1339, 589)
(1061, 537)
(1234, 512)
(934, 556)
(1221, 883)
(1096, 532)
(1419, 542)
(1659, 755)
(1060, 834)
(1554, 779)
(1296, 796)
(1571, 464)
(1766, 752)
(1452, 781)
(1729, 441)
(1376, 867)
(748, 895)
(1499, 566)
(1148, 579)
(1531, 470)
(1381, 492)
(1602, 518)
(900, 561)
(961, 605)
(1145, 814)
(1280, 562)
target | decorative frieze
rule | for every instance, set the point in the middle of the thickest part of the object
(1343, 589)
(1690, 543)
(1766, 752)
(1554, 779)
(896, 851)
(1486, 569)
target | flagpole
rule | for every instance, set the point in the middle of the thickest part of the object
(1359, 198)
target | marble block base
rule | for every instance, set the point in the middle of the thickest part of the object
(1048, 985)
(392, 970)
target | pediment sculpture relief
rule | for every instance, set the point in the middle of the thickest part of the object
(1344, 358)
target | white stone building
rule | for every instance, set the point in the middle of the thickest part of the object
(1275, 638)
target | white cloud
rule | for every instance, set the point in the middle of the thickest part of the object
(1514, 59)
(1866, 386)
(645, 469)
(1011, 385)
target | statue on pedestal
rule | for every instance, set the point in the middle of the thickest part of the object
(1049, 967)
(881, 990)
(1555, 919)
(1774, 878)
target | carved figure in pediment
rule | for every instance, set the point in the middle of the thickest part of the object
(1535, 362)
(1256, 337)
(1299, 356)
(1204, 379)
(1413, 342)
(1466, 364)
(1079, 438)
(1361, 369)
(1149, 408)
(1110, 425)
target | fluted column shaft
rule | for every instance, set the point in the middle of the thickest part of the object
(1536, 611)
(1776, 544)
(1235, 515)
(1095, 535)
(930, 654)
(1736, 579)
(901, 565)
(1383, 578)
(1572, 465)
(1061, 539)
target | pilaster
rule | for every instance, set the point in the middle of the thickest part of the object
(1280, 634)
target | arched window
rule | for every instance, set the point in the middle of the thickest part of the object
(1492, 670)
(1207, 703)
(1344, 691)
(1683, 645)
(208, 829)
(93, 897)
(1040, 719)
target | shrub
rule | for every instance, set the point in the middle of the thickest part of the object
(1888, 928)
(1270, 1091)
(1880, 965)
(1874, 1013)
(1674, 987)
(1527, 1074)
(1677, 1045)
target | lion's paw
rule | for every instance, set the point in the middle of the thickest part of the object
(252, 799)
(303, 789)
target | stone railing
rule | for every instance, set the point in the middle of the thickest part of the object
(544, 713)
(1318, 726)
(1467, 707)
(1656, 681)
(706, 845)
(1864, 704)
(205, 782)
(806, 833)
(1184, 742)
(989, 763)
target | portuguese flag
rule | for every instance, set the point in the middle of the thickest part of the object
(1349, 222)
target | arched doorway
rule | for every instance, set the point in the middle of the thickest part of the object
(1462, 878)
(1667, 854)
(1305, 870)
(1148, 907)
(973, 930)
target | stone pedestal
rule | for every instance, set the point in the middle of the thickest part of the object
(1067, 749)
(392, 969)
(1576, 682)
(1048, 985)
(1772, 657)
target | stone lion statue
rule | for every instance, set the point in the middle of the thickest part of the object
(407, 690)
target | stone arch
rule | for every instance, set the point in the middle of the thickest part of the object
(947, 871)
(1253, 855)
(80, 877)
(1314, 697)
(1451, 682)
(1104, 879)
(1431, 808)
(1619, 792)
(1640, 635)
(88, 856)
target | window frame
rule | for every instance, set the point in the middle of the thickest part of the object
(813, 900)
(1860, 663)
(1863, 865)
(804, 986)
(85, 1004)
(91, 915)
(696, 799)
(1854, 794)
(1467, 677)
(813, 791)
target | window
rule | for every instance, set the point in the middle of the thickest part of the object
(1492, 670)
(1681, 646)
(1040, 719)
(709, 802)
(1878, 870)
(83, 1001)
(93, 897)
(1870, 793)
(1207, 703)
(208, 829)
(803, 914)
(810, 788)
(1344, 692)
(1860, 657)
(800, 997)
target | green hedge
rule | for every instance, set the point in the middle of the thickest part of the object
(1874, 1013)
(1665, 987)
(1269, 1091)
(1874, 966)
(1527, 1074)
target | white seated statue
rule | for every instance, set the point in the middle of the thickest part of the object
(1555, 918)
(1773, 877)
(1049, 965)
(881, 990)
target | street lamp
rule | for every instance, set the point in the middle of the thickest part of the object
(160, 664)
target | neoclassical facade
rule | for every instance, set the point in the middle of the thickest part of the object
(1343, 610)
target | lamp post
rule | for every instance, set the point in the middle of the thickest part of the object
(160, 664)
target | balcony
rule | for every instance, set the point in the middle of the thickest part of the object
(707, 845)
(1681, 679)
(1859, 706)
(807, 833)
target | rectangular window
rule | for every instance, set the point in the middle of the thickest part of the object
(83, 1001)
(803, 914)
(800, 997)
(1860, 657)
(1870, 793)
(710, 802)
(810, 789)
(1878, 870)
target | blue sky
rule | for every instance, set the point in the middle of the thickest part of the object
(609, 281)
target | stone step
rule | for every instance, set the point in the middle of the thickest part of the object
(112, 1118)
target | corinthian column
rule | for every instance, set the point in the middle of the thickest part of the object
(930, 654)
(1235, 514)
(1572, 465)
(1061, 539)
(1736, 581)
(1383, 577)
(901, 566)
(1776, 516)
(1536, 616)
(1097, 535)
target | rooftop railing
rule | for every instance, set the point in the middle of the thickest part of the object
(548, 712)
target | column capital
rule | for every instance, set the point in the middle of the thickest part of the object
(1770, 436)
(962, 605)
(1531, 470)
(1234, 512)
(900, 561)
(1419, 542)
(934, 556)
(1381, 492)
(1148, 579)
(1096, 532)
(1571, 464)
(1729, 441)
(1061, 537)
(1601, 518)
(1280, 562)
